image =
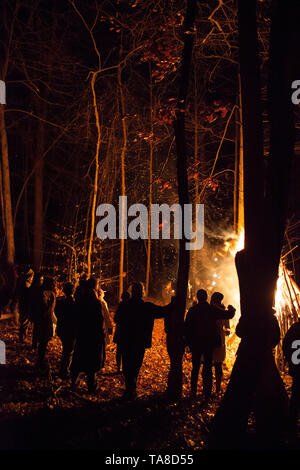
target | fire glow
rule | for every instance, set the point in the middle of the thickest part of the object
(287, 294)
(221, 276)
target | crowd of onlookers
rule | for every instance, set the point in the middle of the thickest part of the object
(81, 319)
(85, 326)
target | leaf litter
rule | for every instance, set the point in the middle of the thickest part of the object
(46, 412)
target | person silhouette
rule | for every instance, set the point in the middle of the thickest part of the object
(87, 356)
(136, 319)
(219, 354)
(202, 337)
(81, 288)
(124, 298)
(67, 326)
(45, 302)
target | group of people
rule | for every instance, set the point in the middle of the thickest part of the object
(206, 326)
(82, 319)
(84, 326)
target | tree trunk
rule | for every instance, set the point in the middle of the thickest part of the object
(39, 197)
(8, 30)
(239, 176)
(123, 186)
(94, 75)
(95, 187)
(150, 190)
(255, 381)
(2, 241)
(7, 216)
(176, 341)
(197, 145)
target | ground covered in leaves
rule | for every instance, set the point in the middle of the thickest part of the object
(45, 412)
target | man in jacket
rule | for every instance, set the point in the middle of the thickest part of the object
(67, 326)
(202, 337)
(135, 319)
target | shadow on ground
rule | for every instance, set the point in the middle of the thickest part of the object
(141, 424)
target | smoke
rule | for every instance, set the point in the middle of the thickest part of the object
(213, 267)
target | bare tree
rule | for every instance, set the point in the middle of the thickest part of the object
(176, 343)
(4, 167)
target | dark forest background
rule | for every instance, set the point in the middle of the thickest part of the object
(95, 83)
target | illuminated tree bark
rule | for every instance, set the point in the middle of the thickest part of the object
(197, 146)
(255, 382)
(7, 205)
(7, 214)
(123, 185)
(95, 187)
(239, 222)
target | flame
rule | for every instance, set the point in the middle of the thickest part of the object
(280, 300)
(241, 241)
(220, 275)
(238, 246)
(287, 297)
(287, 294)
(234, 244)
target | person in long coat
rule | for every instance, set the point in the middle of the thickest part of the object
(45, 304)
(219, 354)
(136, 319)
(67, 326)
(125, 296)
(88, 349)
(81, 288)
(202, 337)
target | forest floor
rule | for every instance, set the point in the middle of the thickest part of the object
(45, 412)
